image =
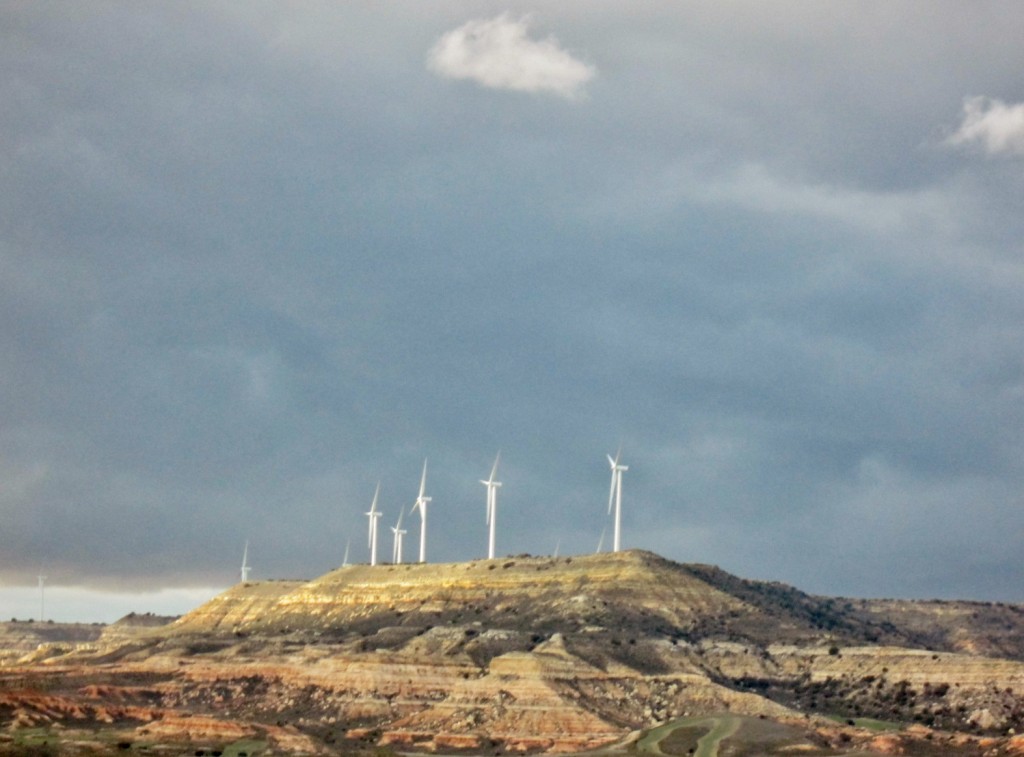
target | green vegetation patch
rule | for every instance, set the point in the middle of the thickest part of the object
(682, 741)
(35, 737)
(758, 736)
(245, 748)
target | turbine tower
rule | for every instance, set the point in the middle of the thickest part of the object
(421, 503)
(374, 515)
(399, 532)
(615, 495)
(245, 563)
(492, 505)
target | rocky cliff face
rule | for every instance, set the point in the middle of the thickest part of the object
(519, 654)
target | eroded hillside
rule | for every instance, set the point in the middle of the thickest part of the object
(518, 654)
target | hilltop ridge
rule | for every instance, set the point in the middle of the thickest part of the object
(543, 593)
(632, 590)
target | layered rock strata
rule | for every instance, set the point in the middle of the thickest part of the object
(518, 654)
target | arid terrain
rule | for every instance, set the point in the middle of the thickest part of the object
(522, 654)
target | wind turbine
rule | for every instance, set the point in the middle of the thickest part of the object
(492, 505)
(615, 495)
(399, 532)
(374, 515)
(245, 563)
(421, 503)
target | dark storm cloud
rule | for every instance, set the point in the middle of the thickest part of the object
(253, 261)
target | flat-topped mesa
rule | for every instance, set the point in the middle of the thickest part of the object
(624, 589)
(626, 595)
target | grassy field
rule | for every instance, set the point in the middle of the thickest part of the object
(737, 735)
(697, 736)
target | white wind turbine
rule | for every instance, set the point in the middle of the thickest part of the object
(374, 515)
(421, 503)
(245, 563)
(615, 495)
(492, 505)
(399, 532)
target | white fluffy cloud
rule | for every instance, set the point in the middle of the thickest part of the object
(497, 53)
(993, 125)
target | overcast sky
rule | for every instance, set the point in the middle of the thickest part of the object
(256, 257)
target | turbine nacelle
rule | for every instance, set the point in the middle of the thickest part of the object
(614, 463)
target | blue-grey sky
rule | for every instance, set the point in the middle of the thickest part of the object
(256, 257)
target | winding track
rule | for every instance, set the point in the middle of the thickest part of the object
(719, 728)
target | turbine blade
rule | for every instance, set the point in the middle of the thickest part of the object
(423, 480)
(610, 461)
(376, 494)
(494, 470)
